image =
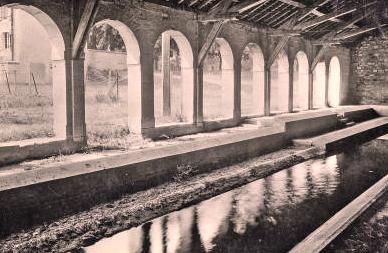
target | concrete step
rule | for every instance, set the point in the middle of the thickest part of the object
(357, 113)
(366, 130)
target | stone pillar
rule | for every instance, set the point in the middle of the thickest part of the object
(327, 75)
(166, 44)
(61, 100)
(291, 88)
(267, 90)
(79, 126)
(199, 96)
(134, 98)
(237, 90)
(311, 89)
(227, 94)
(147, 89)
(187, 95)
(258, 92)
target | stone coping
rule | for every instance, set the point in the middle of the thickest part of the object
(20, 179)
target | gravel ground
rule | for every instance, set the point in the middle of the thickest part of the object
(71, 233)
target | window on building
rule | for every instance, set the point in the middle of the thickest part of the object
(7, 40)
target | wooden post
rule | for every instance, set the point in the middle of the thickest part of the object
(15, 79)
(166, 44)
(6, 78)
(33, 79)
(117, 85)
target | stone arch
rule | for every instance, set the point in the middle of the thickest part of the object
(280, 84)
(252, 81)
(133, 67)
(175, 97)
(58, 66)
(225, 106)
(52, 29)
(301, 82)
(334, 88)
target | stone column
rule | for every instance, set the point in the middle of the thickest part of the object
(187, 95)
(327, 75)
(134, 98)
(237, 90)
(166, 44)
(78, 77)
(267, 90)
(199, 95)
(311, 89)
(258, 91)
(227, 95)
(62, 99)
(291, 88)
(146, 95)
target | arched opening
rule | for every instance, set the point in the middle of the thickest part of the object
(218, 82)
(173, 79)
(112, 86)
(319, 85)
(32, 75)
(301, 82)
(252, 81)
(334, 82)
(279, 84)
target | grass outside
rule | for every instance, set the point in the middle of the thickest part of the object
(25, 115)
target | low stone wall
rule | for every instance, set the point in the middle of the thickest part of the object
(35, 196)
(309, 124)
(14, 152)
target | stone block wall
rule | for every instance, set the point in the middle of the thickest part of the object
(369, 66)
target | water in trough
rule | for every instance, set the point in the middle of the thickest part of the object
(272, 214)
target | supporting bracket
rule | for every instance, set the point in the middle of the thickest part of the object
(215, 31)
(84, 26)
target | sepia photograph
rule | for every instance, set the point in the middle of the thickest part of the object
(194, 126)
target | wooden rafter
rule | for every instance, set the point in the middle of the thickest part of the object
(246, 5)
(356, 32)
(291, 25)
(314, 12)
(328, 37)
(87, 20)
(330, 16)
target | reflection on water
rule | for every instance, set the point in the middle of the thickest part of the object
(268, 215)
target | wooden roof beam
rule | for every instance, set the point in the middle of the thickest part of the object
(314, 12)
(353, 33)
(327, 17)
(341, 28)
(246, 5)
